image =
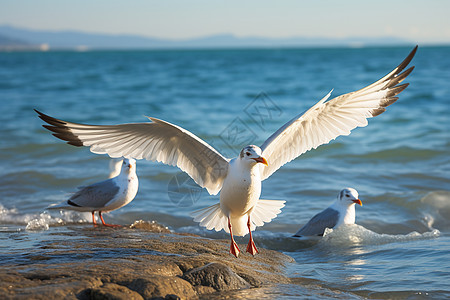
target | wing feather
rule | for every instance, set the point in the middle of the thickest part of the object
(316, 226)
(327, 120)
(156, 140)
(96, 195)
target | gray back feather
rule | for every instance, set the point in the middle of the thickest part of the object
(95, 195)
(316, 226)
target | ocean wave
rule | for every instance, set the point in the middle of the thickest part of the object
(351, 235)
(432, 209)
(436, 209)
(41, 220)
(344, 236)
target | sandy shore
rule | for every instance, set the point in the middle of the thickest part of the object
(143, 261)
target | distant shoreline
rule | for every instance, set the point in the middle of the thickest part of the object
(24, 39)
(46, 48)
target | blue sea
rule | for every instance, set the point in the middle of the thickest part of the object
(399, 163)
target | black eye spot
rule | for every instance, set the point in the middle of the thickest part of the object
(248, 153)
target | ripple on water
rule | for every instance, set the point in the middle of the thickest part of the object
(399, 155)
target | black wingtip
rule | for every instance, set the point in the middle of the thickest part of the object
(60, 129)
(407, 60)
(73, 203)
(50, 120)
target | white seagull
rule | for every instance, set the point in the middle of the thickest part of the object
(238, 179)
(342, 211)
(107, 195)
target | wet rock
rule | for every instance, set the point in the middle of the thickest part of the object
(216, 275)
(200, 289)
(252, 280)
(171, 297)
(57, 289)
(149, 226)
(163, 287)
(82, 262)
(112, 291)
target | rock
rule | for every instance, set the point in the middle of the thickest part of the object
(112, 291)
(216, 275)
(163, 286)
(149, 226)
(132, 263)
(252, 280)
(200, 289)
(171, 297)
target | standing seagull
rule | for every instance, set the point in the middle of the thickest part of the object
(238, 179)
(342, 211)
(107, 195)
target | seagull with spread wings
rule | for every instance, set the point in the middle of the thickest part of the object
(239, 179)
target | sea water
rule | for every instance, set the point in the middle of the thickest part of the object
(399, 163)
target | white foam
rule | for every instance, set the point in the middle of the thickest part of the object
(41, 221)
(436, 209)
(355, 234)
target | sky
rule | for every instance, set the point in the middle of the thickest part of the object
(419, 21)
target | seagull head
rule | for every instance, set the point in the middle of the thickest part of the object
(349, 196)
(115, 165)
(128, 165)
(252, 155)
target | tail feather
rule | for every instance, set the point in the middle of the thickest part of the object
(201, 214)
(218, 222)
(212, 217)
(265, 211)
(62, 205)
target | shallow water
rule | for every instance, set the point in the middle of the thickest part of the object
(399, 163)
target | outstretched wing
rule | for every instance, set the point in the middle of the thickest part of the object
(157, 141)
(326, 121)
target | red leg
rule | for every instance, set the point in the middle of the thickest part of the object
(103, 221)
(234, 249)
(93, 219)
(251, 247)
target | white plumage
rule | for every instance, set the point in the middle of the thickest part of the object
(342, 211)
(107, 195)
(115, 165)
(239, 179)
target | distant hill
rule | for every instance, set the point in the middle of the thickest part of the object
(13, 36)
(6, 41)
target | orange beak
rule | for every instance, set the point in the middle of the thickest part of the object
(357, 201)
(261, 160)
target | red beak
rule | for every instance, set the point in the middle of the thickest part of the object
(357, 201)
(261, 160)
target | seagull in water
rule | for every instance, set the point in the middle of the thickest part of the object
(107, 195)
(342, 211)
(239, 179)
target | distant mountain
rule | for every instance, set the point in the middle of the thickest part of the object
(13, 36)
(7, 41)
